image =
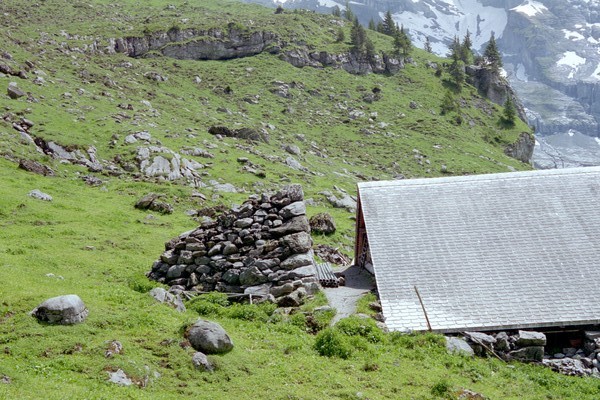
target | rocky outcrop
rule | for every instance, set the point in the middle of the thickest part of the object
(198, 44)
(522, 149)
(350, 62)
(262, 248)
(236, 42)
(493, 86)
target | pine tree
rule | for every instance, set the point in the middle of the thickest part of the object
(491, 54)
(341, 36)
(369, 50)
(402, 43)
(510, 113)
(348, 14)
(454, 48)
(448, 103)
(466, 53)
(336, 11)
(372, 25)
(358, 37)
(457, 72)
(389, 26)
(427, 46)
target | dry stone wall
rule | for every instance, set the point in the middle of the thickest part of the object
(262, 247)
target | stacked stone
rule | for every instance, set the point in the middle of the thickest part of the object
(262, 247)
(583, 360)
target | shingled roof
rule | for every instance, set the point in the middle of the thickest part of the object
(486, 252)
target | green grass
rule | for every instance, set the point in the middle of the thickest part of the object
(91, 241)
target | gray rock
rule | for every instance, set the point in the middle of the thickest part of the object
(201, 362)
(296, 224)
(456, 345)
(322, 223)
(529, 338)
(163, 296)
(292, 149)
(294, 164)
(37, 194)
(243, 223)
(345, 201)
(14, 92)
(35, 167)
(229, 249)
(282, 290)
(480, 338)
(297, 260)
(294, 192)
(232, 276)
(119, 377)
(252, 276)
(63, 310)
(259, 290)
(209, 337)
(176, 271)
(532, 353)
(300, 242)
(502, 343)
(293, 210)
(294, 299)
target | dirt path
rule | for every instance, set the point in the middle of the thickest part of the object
(358, 283)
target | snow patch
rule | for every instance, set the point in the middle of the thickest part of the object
(596, 73)
(530, 8)
(574, 36)
(571, 59)
(446, 19)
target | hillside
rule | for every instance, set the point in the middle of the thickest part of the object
(100, 99)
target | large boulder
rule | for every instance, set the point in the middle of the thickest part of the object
(61, 310)
(322, 223)
(209, 337)
(530, 338)
(456, 345)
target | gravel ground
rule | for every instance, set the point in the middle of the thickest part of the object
(358, 283)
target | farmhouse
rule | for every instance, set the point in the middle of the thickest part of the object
(488, 252)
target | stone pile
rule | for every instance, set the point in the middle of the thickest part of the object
(583, 360)
(261, 248)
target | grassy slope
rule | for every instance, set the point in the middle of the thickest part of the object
(101, 246)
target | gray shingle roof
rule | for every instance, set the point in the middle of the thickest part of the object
(499, 251)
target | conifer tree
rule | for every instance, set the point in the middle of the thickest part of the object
(389, 26)
(358, 37)
(402, 43)
(454, 49)
(341, 36)
(336, 11)
(491, 54)
(427, 46)
(448, 103)
(466, 52)
(372, 25)
(510, 112)
(348, 14)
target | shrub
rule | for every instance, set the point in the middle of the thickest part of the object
(363, 327)
(332, 343)
(441, 389)
(141, 284)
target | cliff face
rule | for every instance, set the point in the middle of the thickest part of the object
(216, 44)
(193, 44)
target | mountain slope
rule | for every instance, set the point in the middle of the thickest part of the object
(551, 54)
